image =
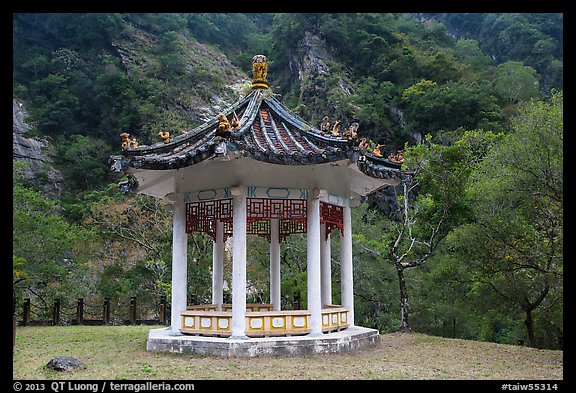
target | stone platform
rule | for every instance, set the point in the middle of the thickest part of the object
(351, 339)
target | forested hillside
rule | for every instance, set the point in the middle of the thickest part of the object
(474, 100)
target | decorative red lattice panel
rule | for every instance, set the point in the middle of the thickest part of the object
(290, 227)
(333, 216)
(268, 208)
(260, 228)
(201, 216)
(290, 212)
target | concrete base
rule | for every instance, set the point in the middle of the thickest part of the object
(347, 340)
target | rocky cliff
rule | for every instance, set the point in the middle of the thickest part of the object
(32, 151)
(310, 63)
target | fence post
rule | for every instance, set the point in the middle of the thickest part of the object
(26, 312)
(80, 311)
(296, 303)
(106, 311)
(13, 322)
(168, 315)
(163, 309)
(56, 313)
(133, 310)
(13, 331)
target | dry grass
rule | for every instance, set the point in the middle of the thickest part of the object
(119, 352)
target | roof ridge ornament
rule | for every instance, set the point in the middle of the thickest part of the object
(259, 72)
(128, 143)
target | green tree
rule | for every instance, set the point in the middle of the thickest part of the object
(434, 107)
(83, 160)
(431, 203)
(49, 254)
(516, 82)
(441, 174)
(370, 106)
(515, 245)
(468, 50)
(137, 244)
(375, 279)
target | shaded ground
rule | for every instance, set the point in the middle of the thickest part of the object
(119, 352)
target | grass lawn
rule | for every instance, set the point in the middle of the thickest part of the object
(119, 352)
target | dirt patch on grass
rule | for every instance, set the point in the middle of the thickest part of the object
(119, 352)
(426, 357)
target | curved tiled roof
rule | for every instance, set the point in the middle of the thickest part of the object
(267, 131)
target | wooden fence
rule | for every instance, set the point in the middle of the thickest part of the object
(85, 314)
(101, 314)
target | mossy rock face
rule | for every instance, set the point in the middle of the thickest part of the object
(65, 363)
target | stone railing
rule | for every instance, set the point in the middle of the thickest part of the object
(334, 318)
(206, 321)
(277, 323)
(228, 307)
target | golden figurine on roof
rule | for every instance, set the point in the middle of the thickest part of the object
(336, 128)
(128, 143)
(351, 133)
(325, 125)
(377, 152)
(224, 127)
(165, 136)
(397, 157)
(235, 121)
(259, 72)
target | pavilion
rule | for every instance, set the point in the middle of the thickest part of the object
(260, 169)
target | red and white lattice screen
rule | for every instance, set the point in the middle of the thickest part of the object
(201, 216)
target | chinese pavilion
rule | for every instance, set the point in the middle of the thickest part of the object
(259, 169)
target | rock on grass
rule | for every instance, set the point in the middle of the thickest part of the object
(64, 363)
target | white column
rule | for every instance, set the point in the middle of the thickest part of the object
(325, 269)
(313, 262)
(275, 264)
(179, 265)
(218, 266)
(238, 325)
(346, 272)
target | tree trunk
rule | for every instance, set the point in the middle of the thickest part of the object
(528, 307)
(530, 327)
(404, 324)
